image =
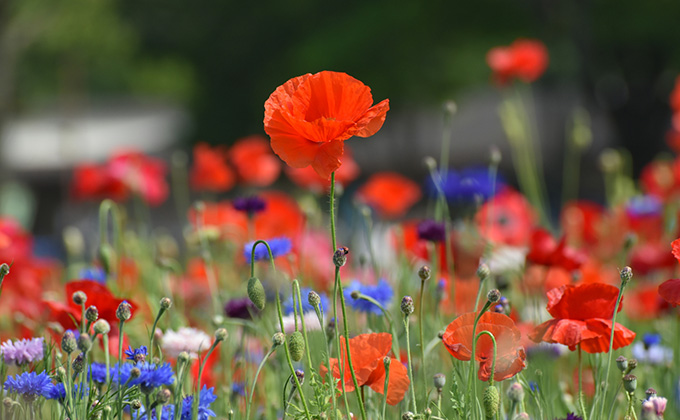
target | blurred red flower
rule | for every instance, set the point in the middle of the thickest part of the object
(545, 250)
(254, 161)
(582, 315)
(510, 355)
(506, 219)
(659, 178)
(389, 194)
(581, 222)
(308, 178)
(309, 116)
(524, 59)
(210, 171)
(367, 352)
(15, 242)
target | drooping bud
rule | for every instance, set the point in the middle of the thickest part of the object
(494, 295)
(221, 334)
(84, 342)
(340, 256)
(296, 346)
(516, 392)
(313, 299)
(424, 273)
(439, 381)
(278, 339)
(124, 311)
(91, 313)
(492, 401)
(407, 305)
(68, 342)
(630, 383)
(4, 270)
(79, 297)
(256, 293)
(166, 303)
(622, 363)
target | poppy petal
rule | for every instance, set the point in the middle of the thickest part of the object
(670, 291)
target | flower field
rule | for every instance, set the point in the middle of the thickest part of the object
(294, 289)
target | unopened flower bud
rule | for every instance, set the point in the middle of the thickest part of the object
(124, 311)
(430, 163)
(313, 299)
(330, 328)
(84, 342)
(516, 392)
(408, 416)
(78, 363)
(163, 396)
(439, 381)
(136, 404)
(166, 303)
(4, 270)
(68, 342)
(340, 256)
(278, 339)
(495, 155)
(296, 346)
(630, 383)
(632, 364)
(622, 363)
(7, 402)
(61, 374)
(387, 361)
(491, 401)
(440, 334)
(183, 357)
(450, 107)
(221, 334)
(483, 271)
(494, 295)
(300, 374)
(79, 297)
(424, 273)
(626, 274)
(91, 313)
(102, 326)
(135, 372)
(407, 305)
(256, 293)
(355, 294)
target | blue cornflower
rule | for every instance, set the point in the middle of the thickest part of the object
(93, 273)
(381, 292)
(279, 246)
(533, 385)
(650, 350)
(153, 375)
(651, 339)
(30, 385)
(464, 186)
(136, 355)
(306, 307)
(125, 369)
(58, 392)
(238, 388)
(206, 397)
(97, 373)
(644, 206)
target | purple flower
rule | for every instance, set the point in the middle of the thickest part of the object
(430, 230)
(23, 351)
(464, 186)
(30, 385)
(242, 308)
(644, 206)
(250, 205)
(279, 247)
(93, 273)
(571, 416)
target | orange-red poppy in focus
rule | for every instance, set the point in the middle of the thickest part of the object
(367, 352)
(510, 356)
(583, 315)
(310, 116)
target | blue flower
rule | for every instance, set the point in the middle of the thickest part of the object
(279, 246)
(464, 186)
(93, 273)
(306, 307)
(58, 392)
(206, 397)
(136, 355)
(152, 375)
(533, 386)
(381, 292)
(97, 373)
(250, 205)
(30, 385)
(644, 206)
(651, 339)
(238, 388)
(571, 416)
(125, 369)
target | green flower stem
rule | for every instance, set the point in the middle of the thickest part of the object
(178, 392)
(208, 261)
(109, 206)
(422, 336)
(387, 382)
(410, 364)
(495, 352)
(581, 401)
(161, 311)
(319, 314)
(471, 385)
(120, 363)
(395, 339)
(611, 348)
(198, 379)
(296, 291)
(257, 373)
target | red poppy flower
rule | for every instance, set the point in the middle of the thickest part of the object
(390, 194)
(581, 222)
(675, 96)
(644, 303)
(649, 257)
(524, 59)
(670, 291)
(658, 178)
(94, 182)
(368, 352)
(544, 250)
(310, 116)
(210, 171)
(510, 355)
(15, 242)
(512, 219)
(582, 315)
(308, 178)
(254, 161)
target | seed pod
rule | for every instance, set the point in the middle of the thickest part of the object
(256, 293)
(296, 346)
(491, 401)
(439, 381)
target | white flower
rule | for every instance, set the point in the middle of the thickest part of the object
(190, 340)
(311, 322)
(506, 259)
(654, 354)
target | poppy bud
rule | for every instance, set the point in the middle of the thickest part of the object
(424, 273)
(630, 383)
(483, 271)
(256, 293)
(79, 297)
(7, 402)
(626, 274)
(407, 305)
(439, 381)
(68, 342)
(340, 256)
(491, 401)
(136, 404)
(427, 412)
(102, 326)
(610, 161)
(355, 294)
(440, 334)
(107, 257)
(4, 270)
(91, 313)
(163, 396)
(430, 163)
(78, 363)
(166, 303)
(84, 343)
(296, 346)
(278, 339)
(622, 363)
(516, 392)
(313, 299)
(221, 334)
(124, 311)
(408, 416)
(493, 296)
